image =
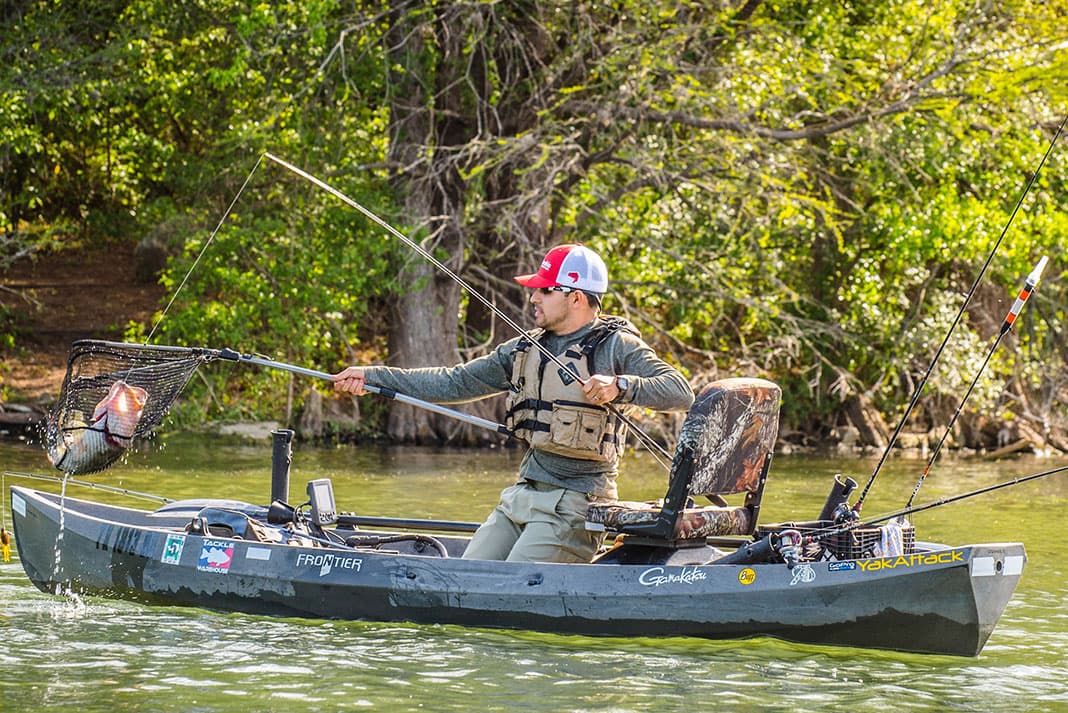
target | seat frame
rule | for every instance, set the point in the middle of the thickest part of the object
(660, 531)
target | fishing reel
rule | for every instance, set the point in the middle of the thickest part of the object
(788, 543)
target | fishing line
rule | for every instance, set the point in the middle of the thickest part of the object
(956, 320)
(656, 449)
(204, 249)
(56, 432)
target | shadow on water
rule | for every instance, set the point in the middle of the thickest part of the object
(100, 654)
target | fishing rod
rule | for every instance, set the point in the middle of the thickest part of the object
(89, 484)
(909, 510)
(1029, 287)
(956, 320)
(422, 252)
(790, 542)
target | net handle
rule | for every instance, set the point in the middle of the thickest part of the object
(228, 354)
(232, 355)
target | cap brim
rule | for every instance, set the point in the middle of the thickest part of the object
(536, 280)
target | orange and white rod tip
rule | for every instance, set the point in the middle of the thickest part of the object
(1029, 286)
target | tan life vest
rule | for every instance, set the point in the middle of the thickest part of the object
(547, 408)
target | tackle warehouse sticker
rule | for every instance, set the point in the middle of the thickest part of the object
(172, 549)
(215, 556)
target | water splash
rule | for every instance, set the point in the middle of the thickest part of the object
(57, 551)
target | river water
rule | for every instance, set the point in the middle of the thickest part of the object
(96, 654)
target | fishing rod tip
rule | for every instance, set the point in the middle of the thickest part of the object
(1036, 274)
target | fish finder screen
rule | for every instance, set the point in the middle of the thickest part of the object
(321, 495)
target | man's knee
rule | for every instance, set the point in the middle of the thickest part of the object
(494, 538)
(541, 542)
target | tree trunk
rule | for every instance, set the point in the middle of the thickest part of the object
(425, 132)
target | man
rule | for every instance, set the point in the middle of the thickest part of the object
(574, 441)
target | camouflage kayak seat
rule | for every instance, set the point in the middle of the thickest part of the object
(725, 447)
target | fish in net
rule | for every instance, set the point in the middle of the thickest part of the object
(113, 393)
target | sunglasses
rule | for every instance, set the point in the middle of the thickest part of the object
(555, 288)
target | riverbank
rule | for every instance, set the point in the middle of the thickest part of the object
(53, 299)
(57, 298)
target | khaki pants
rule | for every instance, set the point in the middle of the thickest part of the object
(536, 522)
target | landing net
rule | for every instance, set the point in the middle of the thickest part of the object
(111, 394)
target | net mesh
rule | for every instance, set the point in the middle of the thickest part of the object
(113, 393)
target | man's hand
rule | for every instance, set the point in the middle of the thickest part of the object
(601, 389)
(351, 381)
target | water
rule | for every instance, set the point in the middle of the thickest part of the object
(98, 654)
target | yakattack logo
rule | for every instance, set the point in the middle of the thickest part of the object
(215, 556)
(327, 562)
(912, 560)
(654, 576)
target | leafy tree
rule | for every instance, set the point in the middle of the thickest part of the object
(799, 190)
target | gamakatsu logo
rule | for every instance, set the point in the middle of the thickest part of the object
(912, 560)
(326, 563)
(654, 576)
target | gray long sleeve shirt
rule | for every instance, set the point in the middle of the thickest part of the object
(653, 384)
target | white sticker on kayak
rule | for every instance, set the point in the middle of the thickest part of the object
(328, 563)
(18, 504)
(1014, 565)
(258, 553)
(989, 566)
(803, 573)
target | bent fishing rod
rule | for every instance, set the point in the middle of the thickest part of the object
(422, 252)
(1030, 284)
(956, 320)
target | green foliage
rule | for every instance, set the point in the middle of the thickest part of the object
(801, 190)
(834, 253)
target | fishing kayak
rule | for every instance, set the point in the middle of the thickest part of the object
(936, 599)
(672, 568)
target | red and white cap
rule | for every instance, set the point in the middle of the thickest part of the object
(573, 266)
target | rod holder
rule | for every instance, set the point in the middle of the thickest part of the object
(839, 494)
(281, 458)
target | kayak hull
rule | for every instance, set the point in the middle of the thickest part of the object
(942, 600)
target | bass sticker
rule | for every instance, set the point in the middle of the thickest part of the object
(215, 556)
